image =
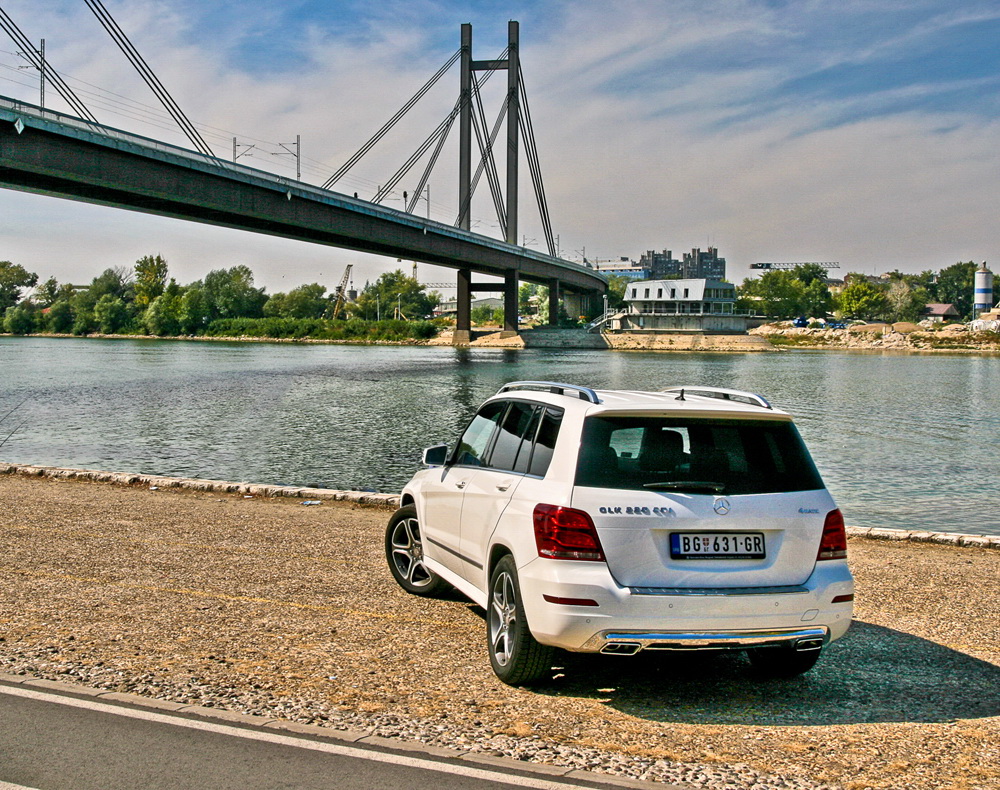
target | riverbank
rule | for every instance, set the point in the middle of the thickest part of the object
(956, 338)
(259, 604)
(491, 338)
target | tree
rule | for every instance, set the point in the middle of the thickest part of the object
(21, 319)
(163, 316)
(194, 311)
(617, 284)
(230, 294)
(306, 301)
(905, 302)
(150, 279)
(110, 314)
(862, 299)
(392, 290)
(60, 317)
(808, 273)
(776, 293)
(954, 286)
(47, 293)
(13, 279)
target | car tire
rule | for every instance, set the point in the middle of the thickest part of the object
(516, 656)
(405, 554)
(781, 662)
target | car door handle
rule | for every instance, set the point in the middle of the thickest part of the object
(460, 484)
(503, 486)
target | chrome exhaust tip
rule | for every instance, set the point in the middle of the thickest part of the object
(621, 648)
(812, 643)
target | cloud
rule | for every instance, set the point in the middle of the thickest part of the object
(862, 131)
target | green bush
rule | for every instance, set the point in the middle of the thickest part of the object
(21, 319)
(322, 329)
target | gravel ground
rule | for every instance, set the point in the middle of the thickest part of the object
(268, 606)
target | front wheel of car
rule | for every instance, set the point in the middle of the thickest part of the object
(404, 551)
(516, 656)
(781, 662)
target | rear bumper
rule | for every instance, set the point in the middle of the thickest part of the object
(800, 617)
(630, 642)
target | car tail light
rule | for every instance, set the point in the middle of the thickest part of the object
(562, 533)
(833, 545)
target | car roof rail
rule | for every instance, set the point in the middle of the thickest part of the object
(723, 394)
(584, 393)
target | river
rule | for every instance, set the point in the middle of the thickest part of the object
(906, 442)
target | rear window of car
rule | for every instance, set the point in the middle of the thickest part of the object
(695, 456)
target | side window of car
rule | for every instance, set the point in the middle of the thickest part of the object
(512, 447)
(475, 442)
(545, 441)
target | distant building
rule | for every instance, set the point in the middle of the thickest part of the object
(687, 305)
(450, 306)
(697, 264)
(938, 313)
(624, 268)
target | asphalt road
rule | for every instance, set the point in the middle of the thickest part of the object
(51, 741)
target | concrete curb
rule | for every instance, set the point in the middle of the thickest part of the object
(391, 501)
(482, 759)
(195, 484)
(919, 536)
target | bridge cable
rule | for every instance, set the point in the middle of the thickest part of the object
(391, 122)
(425, 176)
(51, 74)
(486, 152)
(442, 129)
(534, 165)
(130, 52)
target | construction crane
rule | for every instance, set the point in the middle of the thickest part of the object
(340, 295)
(825, 264)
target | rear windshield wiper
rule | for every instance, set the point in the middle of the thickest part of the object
(687, 485)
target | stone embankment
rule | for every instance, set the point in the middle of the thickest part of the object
(902, 336)
(622, 341)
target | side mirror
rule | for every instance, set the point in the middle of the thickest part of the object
(436, 455)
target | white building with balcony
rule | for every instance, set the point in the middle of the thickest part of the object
(679, 306)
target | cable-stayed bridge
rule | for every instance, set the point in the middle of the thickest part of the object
(75, 157)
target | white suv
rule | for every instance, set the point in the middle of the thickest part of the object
(614, 522)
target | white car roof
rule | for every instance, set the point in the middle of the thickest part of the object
(693, 400)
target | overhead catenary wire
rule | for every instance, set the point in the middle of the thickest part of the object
(140, 65)
(31, 54)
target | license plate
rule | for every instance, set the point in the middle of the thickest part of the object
(717, 545)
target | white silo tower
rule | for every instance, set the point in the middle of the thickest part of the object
(982, 298)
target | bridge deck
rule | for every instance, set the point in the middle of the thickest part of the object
(54, 154)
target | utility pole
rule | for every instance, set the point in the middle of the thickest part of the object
(237, 146)
(41, 90)
(297, 153)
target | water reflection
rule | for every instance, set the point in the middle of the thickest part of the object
(902, 441)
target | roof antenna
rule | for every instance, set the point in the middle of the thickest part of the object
(681, 396)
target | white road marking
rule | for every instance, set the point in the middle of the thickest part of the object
(284, 740)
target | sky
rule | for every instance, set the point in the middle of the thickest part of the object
(859, 131)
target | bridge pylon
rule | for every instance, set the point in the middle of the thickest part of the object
(463, 324)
